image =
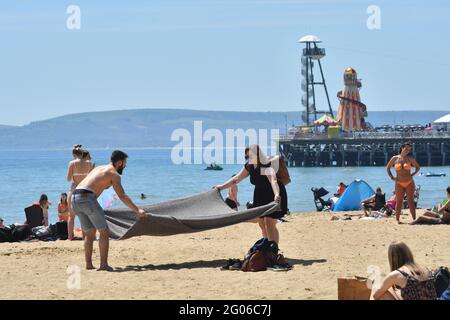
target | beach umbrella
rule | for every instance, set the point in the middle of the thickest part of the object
(325, 120)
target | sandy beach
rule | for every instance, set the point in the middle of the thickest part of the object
(187, 266)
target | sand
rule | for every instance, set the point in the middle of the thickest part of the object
(187, 266)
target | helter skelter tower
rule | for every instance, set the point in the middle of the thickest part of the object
(309, 85)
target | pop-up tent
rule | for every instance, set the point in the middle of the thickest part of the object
(351, 199)
(196, 213)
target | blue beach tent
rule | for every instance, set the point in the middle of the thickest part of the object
(356, 192)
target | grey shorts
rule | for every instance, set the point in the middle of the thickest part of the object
(89, 211)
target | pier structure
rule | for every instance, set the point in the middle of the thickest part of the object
(364, 149)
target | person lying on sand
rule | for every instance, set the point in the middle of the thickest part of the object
(414, 281)
(440, 217)
(89, 211)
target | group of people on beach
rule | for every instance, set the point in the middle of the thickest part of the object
(88, 182)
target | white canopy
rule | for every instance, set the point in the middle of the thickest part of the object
(444, 119)
(309, 38)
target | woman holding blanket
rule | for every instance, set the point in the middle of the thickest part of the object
(262, 173)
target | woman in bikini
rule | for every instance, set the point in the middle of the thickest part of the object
(404, 182)
(79, 168)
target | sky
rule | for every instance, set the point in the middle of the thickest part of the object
(238, 55)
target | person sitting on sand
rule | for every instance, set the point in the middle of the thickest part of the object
(231, 199)
(375, 202)
(45, 204)
(441, 217)
(414, 281)
(63, 208)
(340, 189)
(89, 211)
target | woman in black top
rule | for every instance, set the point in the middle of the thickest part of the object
(262, 172)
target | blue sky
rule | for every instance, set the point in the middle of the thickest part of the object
(216, 55)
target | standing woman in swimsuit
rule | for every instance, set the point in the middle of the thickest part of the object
(267, 189)
(404, 182)
(78, 169)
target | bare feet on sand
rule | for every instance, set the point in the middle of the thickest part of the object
(90, 267)
(105, 268)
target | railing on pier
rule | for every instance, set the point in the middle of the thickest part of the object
(368, 135)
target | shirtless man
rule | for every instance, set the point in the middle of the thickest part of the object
(89, 211)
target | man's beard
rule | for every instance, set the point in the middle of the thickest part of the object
(120, 170)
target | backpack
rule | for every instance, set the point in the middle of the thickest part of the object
(254, 262)
(283, 173)
(61, 230)
(441, 280)
(262, 254)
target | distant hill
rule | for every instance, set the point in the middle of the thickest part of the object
(153, 127)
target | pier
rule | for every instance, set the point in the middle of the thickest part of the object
(364, 149)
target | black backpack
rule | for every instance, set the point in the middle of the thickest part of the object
(441, 280)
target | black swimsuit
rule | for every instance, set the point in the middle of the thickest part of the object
(263, 193)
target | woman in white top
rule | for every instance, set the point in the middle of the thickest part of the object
(79, 168)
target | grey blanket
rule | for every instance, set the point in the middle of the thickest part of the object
(196, 213)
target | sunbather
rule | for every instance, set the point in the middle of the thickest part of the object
(63, 208)
(375, 202)
(414, 281)
(340, 189)
(404, 181)
(440, 217)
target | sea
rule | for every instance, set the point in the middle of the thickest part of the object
(25, 175)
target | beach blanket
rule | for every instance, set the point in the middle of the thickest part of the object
(196, 213)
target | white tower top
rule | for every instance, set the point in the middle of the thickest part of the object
(309, 38)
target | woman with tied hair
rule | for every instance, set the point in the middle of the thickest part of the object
(262, 175)
(79, 168)
(404, 182)
(414, 281)
(45, 204)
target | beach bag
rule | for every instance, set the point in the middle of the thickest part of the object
(441, 280)
(254, 262)
(61, 230)
(353, 289)
(41, 231)
(283, 173)
(5, 235)
(20, 233)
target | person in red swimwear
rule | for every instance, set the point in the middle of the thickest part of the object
(404, 182)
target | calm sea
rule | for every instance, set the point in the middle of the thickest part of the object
(25, 175)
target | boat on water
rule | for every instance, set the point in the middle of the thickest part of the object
(432, 174)
(214, 167)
